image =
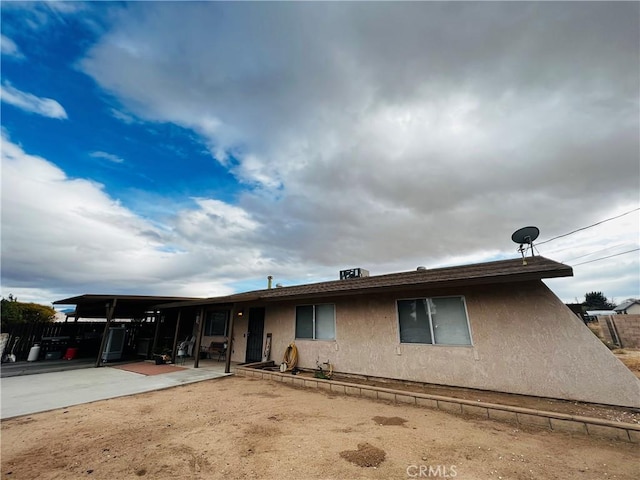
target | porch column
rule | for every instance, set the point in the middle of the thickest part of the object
(157, 318)
(196, 363)
(227, 356)
(110, 310)
(175, 338)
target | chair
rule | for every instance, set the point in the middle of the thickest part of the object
(219, 348)
(182, 352)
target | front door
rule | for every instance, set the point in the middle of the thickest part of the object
(255, 334)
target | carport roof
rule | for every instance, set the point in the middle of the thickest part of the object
(501, 271)
(127, 306)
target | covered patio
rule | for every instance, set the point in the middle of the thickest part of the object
(131, 313)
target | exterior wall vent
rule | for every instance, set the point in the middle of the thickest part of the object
(353, 273)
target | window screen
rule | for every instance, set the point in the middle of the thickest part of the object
(414, 321)
(449, 320)
(441, 321)
(325, 322)
(317, 322)
(304, 321)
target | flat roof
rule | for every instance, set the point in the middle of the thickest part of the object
(127, 306)
(500, 271)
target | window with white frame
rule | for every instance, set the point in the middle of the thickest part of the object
(436, 321)
(216, 323)
(316, 322)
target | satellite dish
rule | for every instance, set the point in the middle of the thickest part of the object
(525, 235)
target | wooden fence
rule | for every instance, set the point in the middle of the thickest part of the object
(621, 330)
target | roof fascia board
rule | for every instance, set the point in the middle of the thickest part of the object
(413, 286)
(265, 296)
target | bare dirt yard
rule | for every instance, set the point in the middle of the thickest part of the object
(237, 428)
(580, 409)
(631, 358)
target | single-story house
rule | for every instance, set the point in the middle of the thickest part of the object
(490, 326)
(628, 307)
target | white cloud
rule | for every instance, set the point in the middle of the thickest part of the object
(46, 14)
(373, 145)
(9, 47)
(49, 218)
(61, 236)
(213, 221)
(123, 117)
(107, 156)
(28, 102)
(617, 277)
(364, 144)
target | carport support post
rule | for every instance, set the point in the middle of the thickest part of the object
(196, 363)
(227, 355)
(158, 319)
(110, 310)
(175, 338)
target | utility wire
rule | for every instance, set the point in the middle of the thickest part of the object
(589, 226)
(593, 253)
(609, 256)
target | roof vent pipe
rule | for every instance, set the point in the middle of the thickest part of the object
(421, 268)
(269, 280)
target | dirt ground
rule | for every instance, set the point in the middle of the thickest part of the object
(607, 412)
(237, 428)
(631, 358)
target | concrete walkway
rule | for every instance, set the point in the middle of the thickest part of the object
(23, 395)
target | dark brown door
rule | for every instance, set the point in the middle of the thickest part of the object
(255, 334)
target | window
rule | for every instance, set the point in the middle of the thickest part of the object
(316, 322)
(437, 321)
(216, 324)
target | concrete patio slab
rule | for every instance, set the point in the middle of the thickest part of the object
(23, 395)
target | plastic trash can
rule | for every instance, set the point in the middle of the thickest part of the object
(70, 354)
(34, 353)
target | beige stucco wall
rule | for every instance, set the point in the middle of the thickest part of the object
(525, 340)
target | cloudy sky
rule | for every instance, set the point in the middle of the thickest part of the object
(195, 148)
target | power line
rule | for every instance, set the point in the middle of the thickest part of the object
(592, 253)
(609, 256)
(589, 226)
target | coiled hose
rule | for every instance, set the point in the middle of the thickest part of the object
(290, 359)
